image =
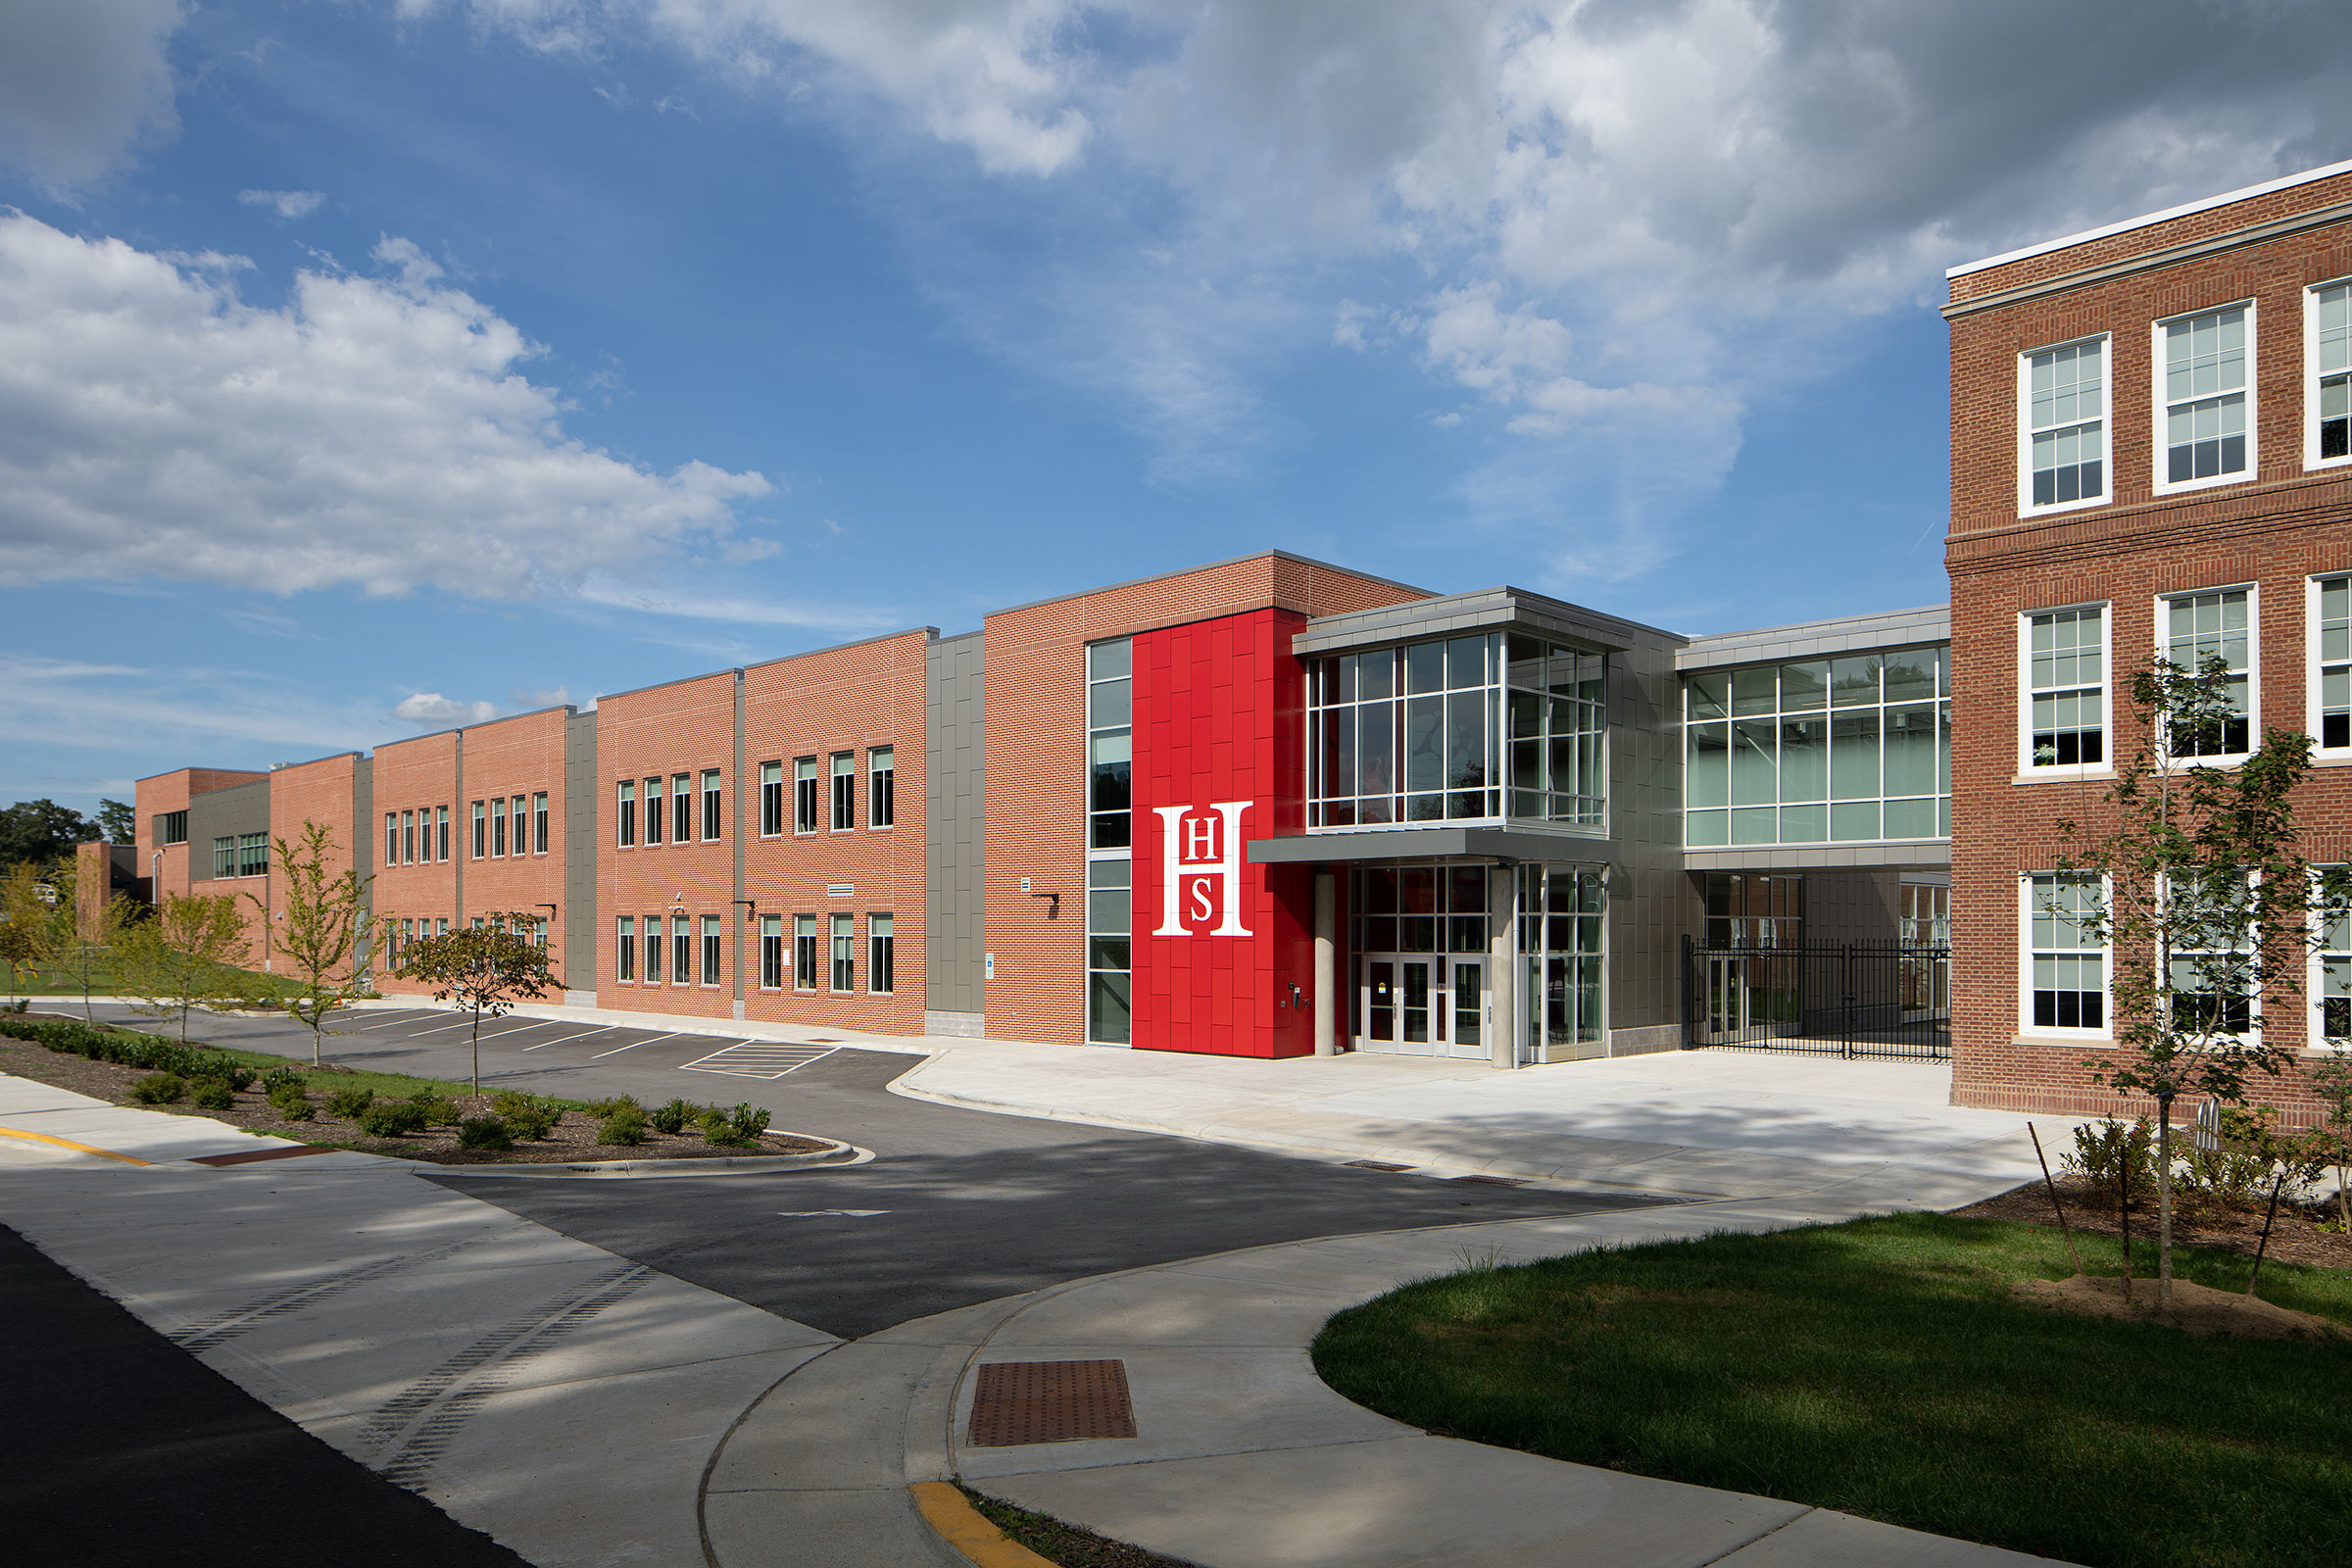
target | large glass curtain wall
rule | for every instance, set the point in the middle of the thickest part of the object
(1821, 750)
(1448, 731)
(1562, 948)
(1109, 875)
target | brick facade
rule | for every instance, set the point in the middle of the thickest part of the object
(2268, 533)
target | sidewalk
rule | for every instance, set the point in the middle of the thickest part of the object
(1708, 1124)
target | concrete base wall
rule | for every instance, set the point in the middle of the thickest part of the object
(955, 1025)
(1642, 1042)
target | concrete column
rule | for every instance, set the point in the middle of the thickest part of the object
(1327, 965)
(1502, 962)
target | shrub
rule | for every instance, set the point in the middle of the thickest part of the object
(278, 1078)
(733, 1129)
(750, 1121)
(159, 1089)
(213, 1094)
(2100, 1152)
(392, 1118)
(291, 1102)
(220, 1069)
(348, 1103)
(671, 1119)
(484, 1132)
(439, 1109)
(602, 1109)
(526, 1118)
(625, 1125)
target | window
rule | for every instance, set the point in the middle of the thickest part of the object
(481, 832)
(539, 931)
(845, 791)
(539, 823)
(624, 962)
(391, 837)
(1820, 751)
(1412, 734)
(253, 854)
(521, 826)
(441, 832)
(2066, 685)
(2204, 397)
(2066, 426)
(225, 856)
(2202, 626)
(803, 795)
(845, 952)
(681, 953)
(2209, 919)
(1563, 937)
(2332, 661)
(2329, 335)
(710, 953)
(407, 838)
(1109, 949)
(881, 786)
(2331, 995)
(653, 809)
(498, 827)
(771, 953)
(681, 807)
(711, 802)
(626, 813)
(881, 962)
(771, 798)
(653, 950)
(2068, 963)
(1110, 747)
(172, 827)
(804, 951)
(440, 928)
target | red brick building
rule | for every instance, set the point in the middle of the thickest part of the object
(2149, 456)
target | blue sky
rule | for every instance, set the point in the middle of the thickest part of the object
(370, 364)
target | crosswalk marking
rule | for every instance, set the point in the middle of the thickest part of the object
(758, 1059)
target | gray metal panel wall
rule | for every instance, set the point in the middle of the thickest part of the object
(224, 813)
(1651, 899)
(582, 921)
(955, 791)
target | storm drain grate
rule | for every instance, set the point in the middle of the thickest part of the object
(1375, 1164)
(1495, 1181)
(1051, 1401)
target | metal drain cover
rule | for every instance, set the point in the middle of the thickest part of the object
(1051, 1401)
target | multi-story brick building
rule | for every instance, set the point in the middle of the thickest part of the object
(1264, 807)
(2149, 458)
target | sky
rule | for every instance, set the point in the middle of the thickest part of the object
(372, 366)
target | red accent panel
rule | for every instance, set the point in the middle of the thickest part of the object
(1219, 723)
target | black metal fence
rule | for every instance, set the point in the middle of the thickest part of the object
(1854, 999)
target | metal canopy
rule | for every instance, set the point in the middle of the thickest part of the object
(1436, 842)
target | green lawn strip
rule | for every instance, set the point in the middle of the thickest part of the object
(1064, 1545)
(1881, 1367)
(49, 980)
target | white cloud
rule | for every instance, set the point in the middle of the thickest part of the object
(288, 204)
(695, 604)
(183, 711)
(81, 81)
(375, 431)
(432, 711)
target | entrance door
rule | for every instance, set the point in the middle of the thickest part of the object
(1727, 999)
(1421, 1005)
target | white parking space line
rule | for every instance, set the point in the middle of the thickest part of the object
(394, 1023)
(566, 1039)
(758, 1059)
(463, 1023)
(633, 1045)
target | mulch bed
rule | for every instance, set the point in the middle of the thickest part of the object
(571, 1140)
(2297, 1237)
(1065, 1545)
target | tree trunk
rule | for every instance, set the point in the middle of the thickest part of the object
(2164, 1202)
(477, 1052)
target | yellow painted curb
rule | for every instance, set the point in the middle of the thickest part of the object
(946, 1509)
(68, 1143)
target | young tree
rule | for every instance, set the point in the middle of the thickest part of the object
(485, 969)
(186, 955)
(2332, 1078)
(322, 927)
(50, 926)
(23, 921)
(2206, 905)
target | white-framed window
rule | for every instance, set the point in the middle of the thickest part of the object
(624, 813)
(845, 952)
(881, 954)
(710, 949)
(771, 800)
(441, 832)
(2208, 978)
(804, 953)
(803, 795)
(522, 825)
(539, 822)
(711, 803)
(391, 837)
(407, 838)
(2065, 688)
(653, 809)
(481, 827)
(681, 807)
(2328, 637)
(625, 950)
(653, 950)
(2065, 988)
(2063, 431)
(2329, 985)
(2205, 427)
(498, 827)
(771, 953)
(681, 953)
(2191, 629)
(845, 791)
(2328, 377)
(881, 786)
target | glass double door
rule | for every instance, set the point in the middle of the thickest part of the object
(1422, 1004)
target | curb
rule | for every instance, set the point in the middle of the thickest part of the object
(841, 1154)
(947, 1510)
(79, 1149)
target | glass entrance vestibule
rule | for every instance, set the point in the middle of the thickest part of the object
(1428, 944)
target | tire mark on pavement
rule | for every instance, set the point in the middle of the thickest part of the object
(221, 1327)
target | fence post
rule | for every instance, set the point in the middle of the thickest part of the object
(1690, 1020)
(1847, 997)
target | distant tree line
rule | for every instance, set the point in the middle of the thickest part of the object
(37, 832)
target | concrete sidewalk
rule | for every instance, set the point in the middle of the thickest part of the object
(1695, 1123)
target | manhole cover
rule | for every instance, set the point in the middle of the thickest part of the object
(1494, 1181)
(1051, 1401)
(1375, 1164)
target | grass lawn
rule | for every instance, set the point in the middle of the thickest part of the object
(1881, 1367)
(56, 980)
